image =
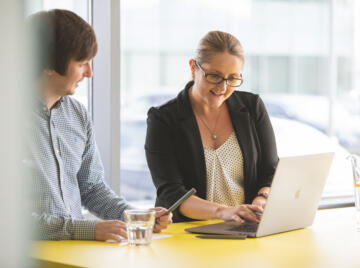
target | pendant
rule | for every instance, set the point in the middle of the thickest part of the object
(214, 136)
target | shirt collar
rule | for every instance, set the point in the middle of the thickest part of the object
(40, 106)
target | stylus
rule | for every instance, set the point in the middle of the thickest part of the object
(180, 201)
(219, 236)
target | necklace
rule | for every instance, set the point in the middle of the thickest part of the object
(213, 133)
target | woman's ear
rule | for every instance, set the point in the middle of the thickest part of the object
(192, 67)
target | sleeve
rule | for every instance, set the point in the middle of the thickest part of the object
(58, 228)
(96, 195)
(266, 138)
(162, 160)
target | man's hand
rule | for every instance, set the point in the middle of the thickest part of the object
(162, 221)
(110, 230)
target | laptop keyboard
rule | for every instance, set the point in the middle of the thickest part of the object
(247, 227)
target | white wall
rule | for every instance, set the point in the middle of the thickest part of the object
(12, 75)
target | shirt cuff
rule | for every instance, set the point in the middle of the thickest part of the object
(128, 206)
(84, 229)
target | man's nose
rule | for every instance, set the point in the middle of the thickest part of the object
(88, 73)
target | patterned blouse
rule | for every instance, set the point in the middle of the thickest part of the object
(224, 173)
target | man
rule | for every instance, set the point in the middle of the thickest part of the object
(62, 155)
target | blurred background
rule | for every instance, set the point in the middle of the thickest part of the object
(302, 57)
(14, 70)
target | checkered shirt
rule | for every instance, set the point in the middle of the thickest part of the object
(66, 173)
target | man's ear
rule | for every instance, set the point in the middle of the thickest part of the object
(49, 72)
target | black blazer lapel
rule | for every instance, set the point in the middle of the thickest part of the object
(242, 124)
(191, 137)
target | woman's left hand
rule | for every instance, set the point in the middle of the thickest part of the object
(259, 201)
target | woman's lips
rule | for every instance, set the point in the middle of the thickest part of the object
(217, 94)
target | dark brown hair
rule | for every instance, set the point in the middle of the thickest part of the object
(215, 42)
(61, 35)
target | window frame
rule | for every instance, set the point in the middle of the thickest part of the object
(105, 95)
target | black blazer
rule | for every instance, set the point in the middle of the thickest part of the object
(175, 153)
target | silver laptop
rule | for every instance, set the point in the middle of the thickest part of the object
(293, 199)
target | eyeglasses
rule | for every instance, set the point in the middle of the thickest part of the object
(217, 79)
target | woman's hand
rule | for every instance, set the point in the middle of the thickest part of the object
(240, 213)
(162, 221)
(259, 201)
(261, 198)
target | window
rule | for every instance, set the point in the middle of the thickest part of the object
(288, 50)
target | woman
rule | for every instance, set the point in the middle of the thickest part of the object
(213, 138)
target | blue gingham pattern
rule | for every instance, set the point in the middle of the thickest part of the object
(67, 173)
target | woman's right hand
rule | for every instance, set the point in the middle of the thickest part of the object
(240, 213)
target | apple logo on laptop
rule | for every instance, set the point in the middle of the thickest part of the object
(297, 193)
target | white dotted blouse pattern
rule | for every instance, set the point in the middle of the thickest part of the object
(224, 173)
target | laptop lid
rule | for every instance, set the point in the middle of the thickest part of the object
(295, 193)
(293, 199)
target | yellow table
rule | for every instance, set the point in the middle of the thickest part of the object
(332, 241)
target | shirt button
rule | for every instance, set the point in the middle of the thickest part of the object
(57, 151)
(68, 209)
(62, 179)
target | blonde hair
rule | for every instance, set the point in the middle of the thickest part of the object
(215, 42)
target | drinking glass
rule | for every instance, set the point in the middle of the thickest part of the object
(355, 162)
(139, 226)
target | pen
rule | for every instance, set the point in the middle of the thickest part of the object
(221, 236)
(180, 201)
